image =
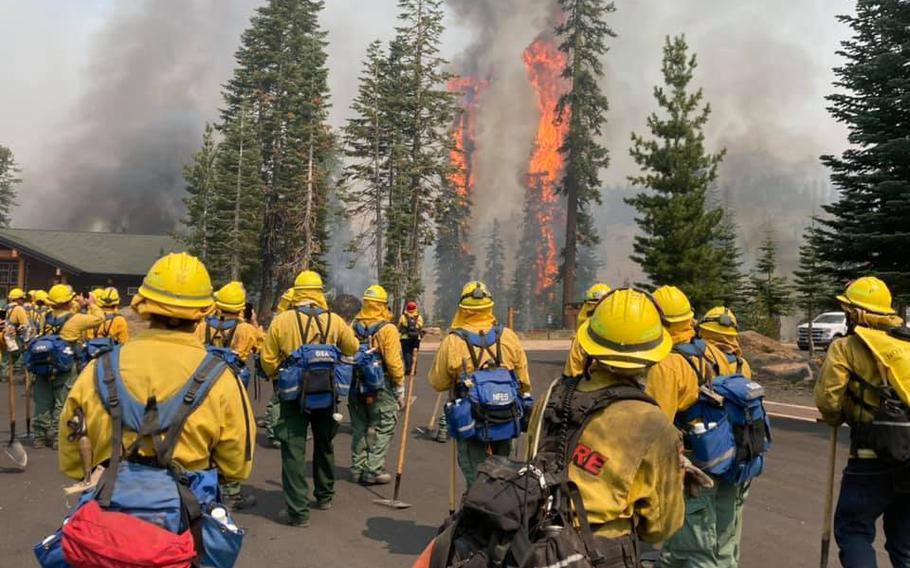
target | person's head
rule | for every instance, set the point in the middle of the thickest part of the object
(719, 320)
(231, 298)
(376, 294)
(866, 298)
(677, 312)
(107, 298)
(248, 311)
(61, 296)
(625, 333)
(31, 296)
(309, 289)
(176, 293)
(375, 303)
(16, 296)
(475, 296)
(41, 298)
(411, 306)
(596, 292)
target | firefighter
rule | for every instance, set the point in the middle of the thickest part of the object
(626, 461)
(375, 415)
(453, 359)
(16, 331)
(175, 294)
(114, 325)
(271, 408)
(592, 296)
(285, 335)
(410, 327)
(851, 388)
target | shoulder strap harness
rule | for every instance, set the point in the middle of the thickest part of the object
(484, 342)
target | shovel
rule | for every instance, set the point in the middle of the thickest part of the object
(29, 385)
(14, 449)
(829, 500)
(395, 502)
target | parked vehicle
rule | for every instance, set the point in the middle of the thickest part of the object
(825, 328)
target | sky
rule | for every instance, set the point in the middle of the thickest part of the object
(103, 101)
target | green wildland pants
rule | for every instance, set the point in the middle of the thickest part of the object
(291, 431)
(713, 530)
(373, 428)
(50, 393)
(472, 453)
(16, 356)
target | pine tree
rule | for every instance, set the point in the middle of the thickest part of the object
(678, 244)
(9, 178)
(454, 260)
(200, 183)
(236, 202)
(728, 262)
(866, 232)
(524, 279)
(494, 274)
(814, 287)
(583, 35)
(770, 295)
(589, 264)
(424, 111)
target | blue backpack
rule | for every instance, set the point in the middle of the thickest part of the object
(94, 348)
(220, 330)
(49, 354)
(369, 371)
(728, 429)
(487, 405)
(308, 375)
(155, 489)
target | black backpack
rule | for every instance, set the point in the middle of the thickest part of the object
(530, 515)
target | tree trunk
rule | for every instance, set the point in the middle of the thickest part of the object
(570, 252)
(235, 229)
(308, 210)
(377, 195)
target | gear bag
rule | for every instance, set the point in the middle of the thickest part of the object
(219, 337)
(233, 360)
(888, 434)
(50, 354)
(487, 405)
(369, 371)
(412, 331)
(530, 515)
(147, 511)
(727, 430)
(308, 375)
(98, 346)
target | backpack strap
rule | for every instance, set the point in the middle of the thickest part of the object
(483, 345)
(313, 316)
(693, 353)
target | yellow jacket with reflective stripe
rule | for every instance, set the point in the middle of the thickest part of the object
(115, 328)
(158, 362)
(673, 383)
(17, 316)
(626, 465)
(245, 340)
(283, 337)
(403, 322)
(836, 395)
(388, 341)
(78, 324)
(453, 351)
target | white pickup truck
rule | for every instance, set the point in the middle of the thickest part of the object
(825, 328)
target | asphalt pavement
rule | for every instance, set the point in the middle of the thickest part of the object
(783, 514)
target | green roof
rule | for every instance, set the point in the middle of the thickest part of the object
(89, 252)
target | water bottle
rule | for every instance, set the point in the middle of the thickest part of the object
(220, 515)
(699, 428)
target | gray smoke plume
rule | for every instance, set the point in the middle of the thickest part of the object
(154, 75)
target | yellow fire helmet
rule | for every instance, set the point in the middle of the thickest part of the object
(32, 294)
(60, 294)
(41, 296)
(596, 292)
(720, 320)
(674, 304)
(308, 280)
(108, 297)
(475, 296)
(868, 293)
(15, 294)
(231, 297)
(180, 280)
(376, 293)
(626, 331)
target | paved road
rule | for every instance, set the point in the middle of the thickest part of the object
(783, 514)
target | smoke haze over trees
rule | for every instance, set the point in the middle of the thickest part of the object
(108, 100)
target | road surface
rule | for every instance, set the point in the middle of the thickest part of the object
(782, 518)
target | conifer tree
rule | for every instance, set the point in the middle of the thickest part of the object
(454, 261)
(9, 179)
(678, 245)
(814, 287)
(770, 295)
(524, 279)
(200, 184)
(727, 268)
(866, 230)
(589, 264)
(583, 34)
(495, 260)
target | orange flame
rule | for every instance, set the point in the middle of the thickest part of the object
(464, 132)
(544, 64)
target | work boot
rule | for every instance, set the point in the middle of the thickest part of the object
(323, 505)
(274, 443)
(261, 422)
(383, 478)
(239, 501)
(442, 435)
(286, 518)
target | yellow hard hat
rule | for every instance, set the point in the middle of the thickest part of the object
(674, 304)
(596, 292)
(41, 296)
(107, 297)
(15, 294)
(867, 293)
(178, 279)
(308, 280)
(61, 294)
(475, 296)
(32, 294)
(376, 293)
(720, 320)
(231, 297)
(625, 331)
